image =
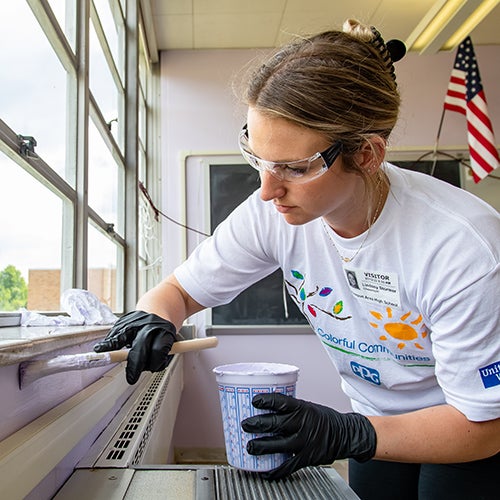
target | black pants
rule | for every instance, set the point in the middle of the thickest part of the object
(377, 480)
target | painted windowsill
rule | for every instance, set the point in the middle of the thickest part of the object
(20, 343)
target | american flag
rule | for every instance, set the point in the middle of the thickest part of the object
(466, 95)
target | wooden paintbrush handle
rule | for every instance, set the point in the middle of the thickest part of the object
(194, 345)
(178, 348)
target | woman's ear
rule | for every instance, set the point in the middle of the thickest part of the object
(372, 153)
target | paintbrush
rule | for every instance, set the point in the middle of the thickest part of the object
(32, 370)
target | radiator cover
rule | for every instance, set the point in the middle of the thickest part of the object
(202, 483)
(312, 483)
(141, 432)
(120, 465)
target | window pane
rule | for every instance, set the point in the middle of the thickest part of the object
(143, 96)
(143, 66)
(114, 34)
(103, 179)
(149, 262)
(102, 85)
(33, 84)
(30, 235)
(142, 165)
(65, 12)
(104, 269)
(143, 277)
(142, 120)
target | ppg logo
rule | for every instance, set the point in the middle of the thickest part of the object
(366, 373)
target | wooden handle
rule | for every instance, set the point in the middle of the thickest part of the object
(194, 345)
(178, 348)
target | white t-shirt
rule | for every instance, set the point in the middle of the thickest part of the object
(413, 321)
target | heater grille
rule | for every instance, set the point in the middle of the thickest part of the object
(311, 483)
(132, 437)
(216, 483)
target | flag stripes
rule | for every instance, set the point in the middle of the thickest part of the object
(465, 95)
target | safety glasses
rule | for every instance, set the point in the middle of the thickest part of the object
(299, 171)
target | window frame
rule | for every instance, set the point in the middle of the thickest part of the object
(82, 107)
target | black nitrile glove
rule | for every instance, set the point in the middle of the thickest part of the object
(314, 434)
(150, 338)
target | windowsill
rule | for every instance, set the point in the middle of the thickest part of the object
(20, 343)
(10, 319)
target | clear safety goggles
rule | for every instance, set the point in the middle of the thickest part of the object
(299, 171)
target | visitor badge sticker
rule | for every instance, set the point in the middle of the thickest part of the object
(374, 286)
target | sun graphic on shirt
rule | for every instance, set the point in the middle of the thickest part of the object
(404, 329)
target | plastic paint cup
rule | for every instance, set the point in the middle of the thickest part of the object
(238, 384)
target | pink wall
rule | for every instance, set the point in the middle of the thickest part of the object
(200, 114)
(20, 407)
(423, 81)
(199, 421)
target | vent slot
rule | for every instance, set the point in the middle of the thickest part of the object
(115, 455)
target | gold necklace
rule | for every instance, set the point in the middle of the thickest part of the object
(377, 212)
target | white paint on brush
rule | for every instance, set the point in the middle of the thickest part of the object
(32, 370)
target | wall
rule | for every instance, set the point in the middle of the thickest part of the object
(21, 406)
(201, 116)
(423, 81)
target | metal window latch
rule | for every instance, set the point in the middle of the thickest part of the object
(27, 145)
(110, 123)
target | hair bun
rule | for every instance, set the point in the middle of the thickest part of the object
(397, 49)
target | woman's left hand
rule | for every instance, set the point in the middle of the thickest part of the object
(314, 434)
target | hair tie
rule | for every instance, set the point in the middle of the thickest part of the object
(391, 52)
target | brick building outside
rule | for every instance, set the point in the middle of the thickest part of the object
(44, 288)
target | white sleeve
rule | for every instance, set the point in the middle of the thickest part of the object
(465, 336)
(238, 254)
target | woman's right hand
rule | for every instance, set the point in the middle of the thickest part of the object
(149, 337)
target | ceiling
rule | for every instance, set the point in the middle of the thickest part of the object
(202, 24)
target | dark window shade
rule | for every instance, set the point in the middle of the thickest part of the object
(446, 170)
(262, 303)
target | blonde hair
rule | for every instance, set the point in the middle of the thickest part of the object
(340, 83)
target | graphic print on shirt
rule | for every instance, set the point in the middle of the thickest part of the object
(396, 339)
(490, 375)
(301, 298)
(403, 330)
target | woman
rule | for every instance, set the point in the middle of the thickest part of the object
(396, 272)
